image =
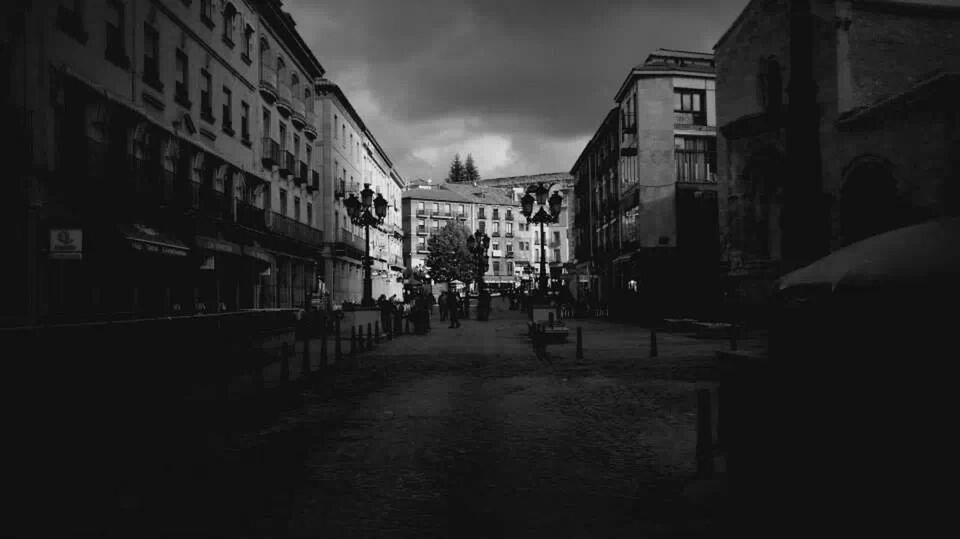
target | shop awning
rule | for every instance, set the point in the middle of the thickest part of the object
(146, 239)
(216, 244)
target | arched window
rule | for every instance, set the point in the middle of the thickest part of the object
(308, 98)
(280, 67)
(295, 85)
(229, 13)
(770, 84)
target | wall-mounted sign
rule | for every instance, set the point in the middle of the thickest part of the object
(66, 244)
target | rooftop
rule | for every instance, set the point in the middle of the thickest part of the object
(465, 193)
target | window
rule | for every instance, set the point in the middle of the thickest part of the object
(446, 209)
(556, 237)
(496, 267)
(482, 213)
(309, 155)
(496, 226)
(689, 107)
(436, 226)
(495, 246)
(296, 147)
(116, 36)
(770, 84)
(266, 122)
(310, 213)
(227, 110)
(343, 138)
(460, 210)
(436, 208)
(228, 14)
(283, 138)
(181, 94)
(421, 225)
(509, 215)
(151, 57)
(509, 266)
(336, 126)
(244, 120)
(351, 145)
(206, 12)
(420, 207)
(510, 248)
(510, 228)
(308, 98)
(295, 85)
(556, 255)
(206, 89)
(70, 20)
(247, 44)
(296, 208)
(695, 159)
(422, 243)
(482, 225)
(496, 213)
(283, 202)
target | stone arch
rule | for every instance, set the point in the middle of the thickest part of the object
(870, 201)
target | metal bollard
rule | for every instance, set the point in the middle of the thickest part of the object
(653, 342)
(579, 344)
(353, 340)
(376, 332)
(369, 337)
(704, 436)
(337, 351)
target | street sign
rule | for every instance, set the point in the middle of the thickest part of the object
(66, 244)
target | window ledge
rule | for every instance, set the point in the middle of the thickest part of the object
(227, 41)
(245, 140)
(228, 129)
(207, 21)
(207, 116)
(207, 133)
(246, 58)
(153, 82)
(183, 101)
(153, 101)
(118, 58)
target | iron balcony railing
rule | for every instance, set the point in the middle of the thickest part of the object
(287, 163)
(215, 204)
(690, 118)
(291, 228)
(270, 152)
(268, 79)
(303, 175)
(694, 167)
(251, 216)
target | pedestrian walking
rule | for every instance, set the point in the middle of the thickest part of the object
(442, 305)
(453, 308)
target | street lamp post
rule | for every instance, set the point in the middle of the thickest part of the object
(360, 215)
(478, 244)
(549, 212)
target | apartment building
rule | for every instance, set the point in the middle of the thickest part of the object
(163, 162)
(353, 159)
(494, 211)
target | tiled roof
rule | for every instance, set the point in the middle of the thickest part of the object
(438, 193)
(528, 179)
(482, 194)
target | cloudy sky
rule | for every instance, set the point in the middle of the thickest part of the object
(520, 84)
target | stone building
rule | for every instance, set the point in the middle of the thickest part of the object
(886, 80)
(165, 159)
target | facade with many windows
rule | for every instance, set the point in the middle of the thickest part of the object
(167, 159)
(652, 212)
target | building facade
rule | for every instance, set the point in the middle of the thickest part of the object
(353, 159)
(884, 74)
(652, 215)
(167, 159)
(492, 210)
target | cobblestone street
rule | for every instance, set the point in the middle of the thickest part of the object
(458, 433)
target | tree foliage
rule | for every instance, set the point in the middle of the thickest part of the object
(470, 172)
(457, 172)
(449, 258)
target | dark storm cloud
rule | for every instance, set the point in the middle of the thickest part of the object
(545, 69)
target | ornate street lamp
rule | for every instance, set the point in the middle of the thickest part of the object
(360, 215)
(549, 212)
(478, 244)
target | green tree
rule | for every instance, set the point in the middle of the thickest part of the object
(449, 258)
(470, 172)
(457, 171)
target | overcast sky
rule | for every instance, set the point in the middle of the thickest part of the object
(520, 84)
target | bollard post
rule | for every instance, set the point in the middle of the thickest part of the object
(376, 332)
(704, 436)
(369, 337)
(353, 340)
(653, 341)
(337, 351)
(579, 344)
(360, 338)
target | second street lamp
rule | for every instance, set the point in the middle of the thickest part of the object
(360, 215)
(548, 213)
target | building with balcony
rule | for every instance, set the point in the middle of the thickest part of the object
(557, 235)
(352, 158)
(886, 76)
(152, 162)
(495, 211)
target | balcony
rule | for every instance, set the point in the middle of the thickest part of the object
(270, 155)
(268, 83)
(287, 164)
(422, 230)
(314, 185)
(251, 216)
(293, 229)
(303, 174)
(509, 217)
(495, 235)
(299, 113)
(284, 100)
(694, 167)
(310, 127)
(215, 204)
(690, 119)
(422, 213)
(481, 215)
(509, 254)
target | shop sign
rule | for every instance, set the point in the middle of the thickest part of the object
(66, 244)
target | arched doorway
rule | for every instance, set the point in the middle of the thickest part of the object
(869, 200)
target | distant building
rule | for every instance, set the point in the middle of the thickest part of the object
(495, 211)
(654, 214)
(887, 75)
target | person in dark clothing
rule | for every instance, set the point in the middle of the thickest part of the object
(386, 313)
(453, 309)
(483, 305)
